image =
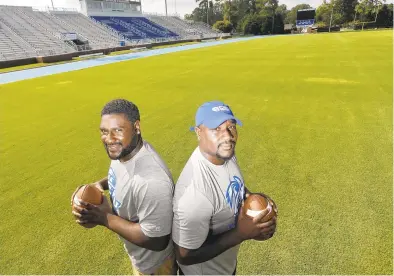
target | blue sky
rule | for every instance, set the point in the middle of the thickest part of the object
(157, 6)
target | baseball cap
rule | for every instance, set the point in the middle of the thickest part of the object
(213, 114)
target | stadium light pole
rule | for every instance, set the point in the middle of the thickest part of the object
(165, 1)
(53, 8)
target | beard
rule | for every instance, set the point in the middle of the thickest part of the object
(225, 154)
(125, 150)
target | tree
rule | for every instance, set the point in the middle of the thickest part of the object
(230, 12)
(346, 9)
(215, 12)
(282, 10)
(224, 26)
(291, 16)
(236, 10)
(267, 7)
(328, 13)
(198, 14)
(206, 6)
(368, 9)
(251, 24)
(385, 16)
(188, 16)
(323, 14)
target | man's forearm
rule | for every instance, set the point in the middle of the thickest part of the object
(213, 247)
(132, 232)
(104, 183)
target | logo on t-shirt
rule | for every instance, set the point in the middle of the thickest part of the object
(235, 194)
(111, 186)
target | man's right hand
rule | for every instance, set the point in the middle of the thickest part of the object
(248, 228)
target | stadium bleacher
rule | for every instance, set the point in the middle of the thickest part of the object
(26, 32)
(12, 46)
(27, 27)
(99, 36)
(136, 27)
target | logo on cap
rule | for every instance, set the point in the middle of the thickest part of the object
(220, 108)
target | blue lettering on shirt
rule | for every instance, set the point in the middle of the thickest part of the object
(111, 186)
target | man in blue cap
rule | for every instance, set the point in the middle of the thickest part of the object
(209, 223)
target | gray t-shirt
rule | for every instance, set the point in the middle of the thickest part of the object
(141, 190)
(207, 199)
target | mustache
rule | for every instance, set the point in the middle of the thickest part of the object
(226, 143)
(113, 144)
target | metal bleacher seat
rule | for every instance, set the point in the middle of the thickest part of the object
(99, 36)
(23, 23)
(135, 28)
(12, 46)
(185, 28)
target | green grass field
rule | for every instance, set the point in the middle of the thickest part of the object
(317, 137)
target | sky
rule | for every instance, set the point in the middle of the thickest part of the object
(180, 7)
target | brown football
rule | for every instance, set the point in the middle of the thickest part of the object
(90, 194)
(256, 203)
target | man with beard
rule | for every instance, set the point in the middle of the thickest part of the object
(209, 223)
(141, 190)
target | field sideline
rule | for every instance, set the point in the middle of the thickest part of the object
(317, 137)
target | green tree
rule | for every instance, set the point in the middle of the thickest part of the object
(236, 10)
(215, 12)
(323, 14)
(282, 10)
(328, 12)
(224, 26)
(385, 16)
(188, 16)
(267, 7)
(251, 24)
(346, 9)
(368, 9)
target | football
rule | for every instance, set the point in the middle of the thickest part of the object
(90, 194)
(256, 203)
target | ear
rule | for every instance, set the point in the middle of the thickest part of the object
(197, 130)
(137, 127)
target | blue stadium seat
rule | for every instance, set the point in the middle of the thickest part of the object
(135, 27)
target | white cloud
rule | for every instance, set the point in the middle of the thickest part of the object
(153, 6)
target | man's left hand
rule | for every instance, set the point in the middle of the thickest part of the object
(87, 213)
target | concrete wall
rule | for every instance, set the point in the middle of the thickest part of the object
(66, 57)
(17, 62)
(56, 58)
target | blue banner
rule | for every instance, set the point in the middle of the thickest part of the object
(304, 23)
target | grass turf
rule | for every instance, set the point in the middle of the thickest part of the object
(317, 137)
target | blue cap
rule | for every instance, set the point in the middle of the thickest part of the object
(213, 114)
